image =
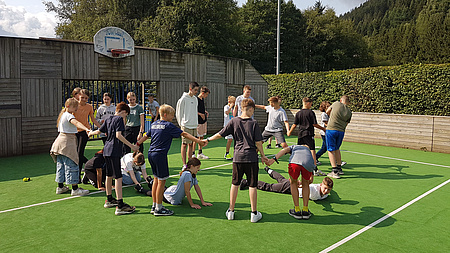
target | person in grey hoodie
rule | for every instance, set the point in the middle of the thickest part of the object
(187, 118)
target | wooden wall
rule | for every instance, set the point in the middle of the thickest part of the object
(429, 133)
(32, 73)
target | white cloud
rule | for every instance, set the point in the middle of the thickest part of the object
(16, 21)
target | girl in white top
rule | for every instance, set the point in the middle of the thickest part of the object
(64, 149)
(324, 122)
(175, 193)
(133, 166)
(104, 111)
(227, 116)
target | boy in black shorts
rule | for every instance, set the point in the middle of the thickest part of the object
(306, 120)
(162, 132)
(112, 151)
(248, 141)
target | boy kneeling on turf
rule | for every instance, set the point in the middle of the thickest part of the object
(161, 132)
(301, 161)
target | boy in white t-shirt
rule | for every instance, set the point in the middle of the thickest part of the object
(277, 118)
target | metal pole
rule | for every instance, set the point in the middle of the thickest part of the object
(278, 38)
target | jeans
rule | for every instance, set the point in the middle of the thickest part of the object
(66, 170)
(126, 178)
(322, 149)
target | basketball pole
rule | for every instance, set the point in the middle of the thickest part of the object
(278, 38)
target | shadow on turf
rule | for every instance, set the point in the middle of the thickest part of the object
(394, 172)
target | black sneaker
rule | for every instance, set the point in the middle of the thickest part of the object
(269, 146)
(306, 215)
(243, 184)
(297, 215)
(163, 212)
(278, 146)
(112, 203)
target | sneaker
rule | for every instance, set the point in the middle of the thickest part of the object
(111, 203)
(318, 173)
(243, 184)
(193, 156)
(125, 209)
(62, 190)
(229, 214)
(255, 217)
(318, 163)
(163, 212)
(297, 215)
(202, 156)
(343, 163)
(183, 167)
(278, 146)
(334, 175)
(229, 157)
(152, 210)
(269, 146)
(306, 214)
(79, 192)
(340, 172)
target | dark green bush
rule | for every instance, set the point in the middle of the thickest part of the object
(405, 89)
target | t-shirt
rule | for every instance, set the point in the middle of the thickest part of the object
(162, 132)
(301, 155)
(324, 118)
(314, 192)
(134, 119)
(82, 115)
(152, 106)
(305, 120)
(104, 112)
(65, 126)
(175, 193)
(113, 146)
(127, 164)
(238, 103)
(96, 162)
(276, 119)
(340, 116)
(229, 116)
(201, 109)
(246, 133)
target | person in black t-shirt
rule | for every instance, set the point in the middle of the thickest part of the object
(95, 171)
(306, 120)
(202, 118)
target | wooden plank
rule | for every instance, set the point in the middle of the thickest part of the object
(195, 68)
(11, 142)
(216, 70)
(40, 59)
(172, 67)
(9, 58)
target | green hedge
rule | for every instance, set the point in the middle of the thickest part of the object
(405, 89)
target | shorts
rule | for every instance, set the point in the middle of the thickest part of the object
(159, 164)
(308, 141)
(202, 129)
(66, 170)
(296, 169)
(192, 132)
(229, 137)
(278, 135)
(334, 139)
(113, 167)
(249, 169)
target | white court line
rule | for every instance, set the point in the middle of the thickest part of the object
(373, 224)
(91, 193)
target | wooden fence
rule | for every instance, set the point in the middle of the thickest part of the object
(428, 133)
(32, 72)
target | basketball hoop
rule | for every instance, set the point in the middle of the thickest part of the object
(117, 52)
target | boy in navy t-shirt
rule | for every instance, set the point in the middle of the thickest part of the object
(161, 133)
(112, 151)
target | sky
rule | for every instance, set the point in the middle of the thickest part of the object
(28, 18)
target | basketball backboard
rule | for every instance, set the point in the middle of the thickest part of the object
(115, 39)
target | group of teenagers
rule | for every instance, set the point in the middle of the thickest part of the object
(191, 116)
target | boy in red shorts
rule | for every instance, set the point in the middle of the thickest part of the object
(300, 162)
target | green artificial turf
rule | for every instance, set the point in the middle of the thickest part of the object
(371, 188)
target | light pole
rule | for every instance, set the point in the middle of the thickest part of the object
(278, 38)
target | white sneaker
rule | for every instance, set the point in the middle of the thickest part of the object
(229, 214)
(62, 190)
(343, 163)
(202, 156)
(318, 163)
(334, 175)
(79, 192)
(318, 173)
(255, 217)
